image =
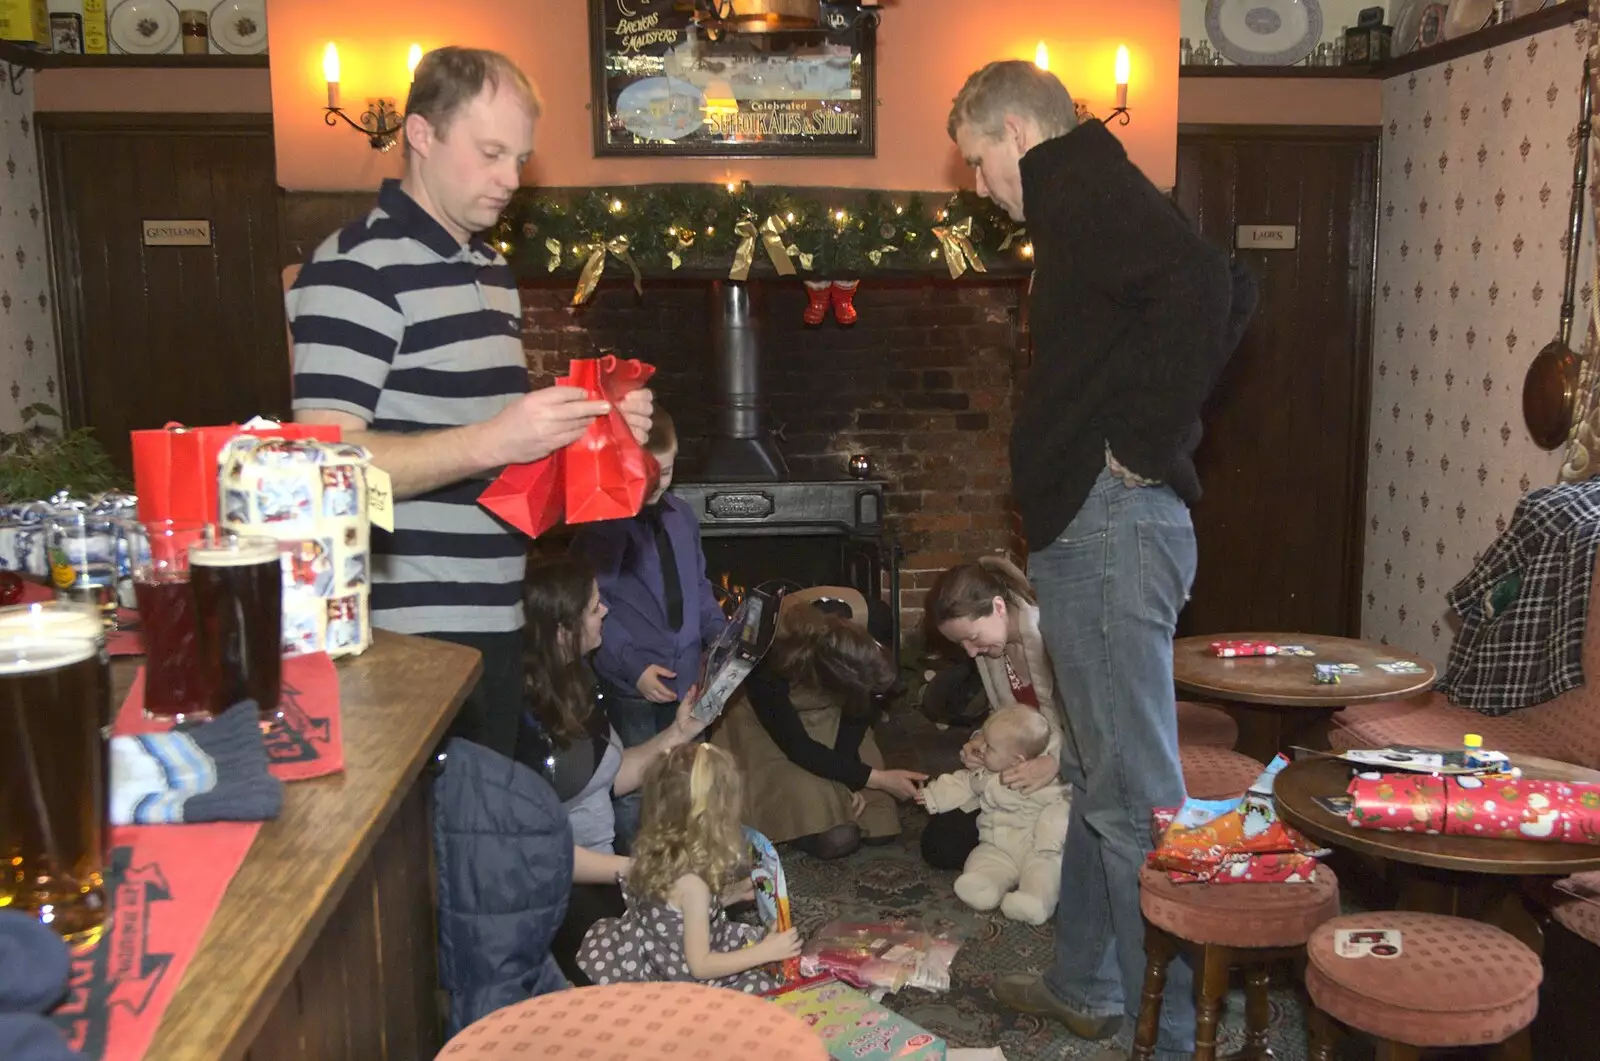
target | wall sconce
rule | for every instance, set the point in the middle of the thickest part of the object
(1120, 114)
(1041, 56)
(382, 121)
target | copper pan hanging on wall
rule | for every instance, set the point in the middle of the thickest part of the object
(1550, 389)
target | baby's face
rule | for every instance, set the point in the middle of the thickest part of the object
(996, 757)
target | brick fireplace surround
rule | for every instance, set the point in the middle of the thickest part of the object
(923, 383)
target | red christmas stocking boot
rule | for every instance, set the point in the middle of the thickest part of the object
(844, 310)
(817, 293)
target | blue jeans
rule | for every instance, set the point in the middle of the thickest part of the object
(636, 720)
(1110, 589)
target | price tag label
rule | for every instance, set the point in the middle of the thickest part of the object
(380, 498)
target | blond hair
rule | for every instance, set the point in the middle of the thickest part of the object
(447, 79)
(1016, 87)
(1018, 729)
(693, 799)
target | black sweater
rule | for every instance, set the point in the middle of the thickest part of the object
(769, 696)
(1133, 318)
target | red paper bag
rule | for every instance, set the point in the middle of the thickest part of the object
(608, 474)
(528, 496)
(175, 467)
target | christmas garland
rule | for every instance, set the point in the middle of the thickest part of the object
(740, 230)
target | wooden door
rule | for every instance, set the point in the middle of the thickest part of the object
(157, 333)
(1283, 461)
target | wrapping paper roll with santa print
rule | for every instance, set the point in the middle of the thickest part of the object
(312, 497)
(1502, 808)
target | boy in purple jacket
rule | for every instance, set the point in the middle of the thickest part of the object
(662, 611)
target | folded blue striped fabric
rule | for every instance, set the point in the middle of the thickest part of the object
(205, 772)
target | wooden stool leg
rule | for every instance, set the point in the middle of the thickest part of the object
(1389, 1050)
(1257, 1012)
(1213, 989)
(1323, 1033)
(1517, 1048)
(1159, 951)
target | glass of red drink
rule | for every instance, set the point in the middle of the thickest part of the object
(174, 683)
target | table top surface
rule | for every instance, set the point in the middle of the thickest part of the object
(1285, 681)
(1304, 779)
(396, 701)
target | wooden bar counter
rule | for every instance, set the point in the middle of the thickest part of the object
(324, 947)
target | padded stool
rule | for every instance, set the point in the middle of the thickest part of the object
(1216, 773)
(1206, 724)
(1455, 983)
(621, 1022)
(1224, 926)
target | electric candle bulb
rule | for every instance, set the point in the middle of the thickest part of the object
(330, 73)
(413, 57)
(1041, 57)
(1122, 77)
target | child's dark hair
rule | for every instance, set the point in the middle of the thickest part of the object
(833, 655)
(663, 437)
(560, 693)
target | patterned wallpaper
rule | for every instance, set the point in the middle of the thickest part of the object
(1476, 190)
(27, 319)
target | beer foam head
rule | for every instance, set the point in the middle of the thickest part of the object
(35, 655)
(51, 619)
(234, 552)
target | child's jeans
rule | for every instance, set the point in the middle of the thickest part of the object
(636, 720)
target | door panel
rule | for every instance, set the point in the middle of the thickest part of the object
(153, 334)
(1283, 461)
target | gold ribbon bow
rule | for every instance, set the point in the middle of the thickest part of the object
(590, 277)
(958, 250)
(1012, 236)
(799, 255)
(876, 256)
(554, 262)
(771, 233)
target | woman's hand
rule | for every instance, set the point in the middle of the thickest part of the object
(778, 946)
(1029, 777)
(686, 724)
(858, 805)
(901, 784)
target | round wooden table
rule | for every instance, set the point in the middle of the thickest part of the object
(1460, 875)
(1274, 699)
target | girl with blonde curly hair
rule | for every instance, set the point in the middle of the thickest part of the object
(689, 858)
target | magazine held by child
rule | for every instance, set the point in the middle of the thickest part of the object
(1233, 840)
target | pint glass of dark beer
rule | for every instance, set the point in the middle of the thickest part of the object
(52, 783)
(237, 582)
(174, 687)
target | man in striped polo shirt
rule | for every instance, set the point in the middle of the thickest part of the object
(407, 334)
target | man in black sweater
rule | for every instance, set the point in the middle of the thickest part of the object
(1133, 319)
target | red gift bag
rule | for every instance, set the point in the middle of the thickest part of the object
(608, 474)
(175, 467)
(530, 497)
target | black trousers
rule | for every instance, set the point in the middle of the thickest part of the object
(949, 839)
(492, 709)
(589, 903)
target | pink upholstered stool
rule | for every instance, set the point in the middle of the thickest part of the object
(1216, 773)
(623, 1022)
(1206, 724)
(1455, 983)
(1223, 927)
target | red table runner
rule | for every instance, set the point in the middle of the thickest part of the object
(307, 743)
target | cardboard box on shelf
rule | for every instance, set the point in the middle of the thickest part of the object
(25, 21)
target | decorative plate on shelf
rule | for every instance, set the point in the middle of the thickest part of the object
(239, 27)
(661, 108)
(1432, 28)
(144, 27)
(1467, 16)
(1264, 32)
(1407, 27)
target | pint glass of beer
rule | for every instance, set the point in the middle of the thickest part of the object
(174, 687)
(237, 582)
(52, 783)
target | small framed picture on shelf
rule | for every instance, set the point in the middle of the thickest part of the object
(66, 33)
(732, 78)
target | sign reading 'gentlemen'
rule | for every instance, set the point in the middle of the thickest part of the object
(177, 233)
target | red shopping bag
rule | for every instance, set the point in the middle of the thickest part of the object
(530, 497)
(175, 467)
(608, 474)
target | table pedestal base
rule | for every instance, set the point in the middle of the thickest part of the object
(1264, 731)
(1476, 896)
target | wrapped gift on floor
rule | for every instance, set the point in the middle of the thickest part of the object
(886, 954)
(312, 497)
(1493, 806)
(855, 1028)
(1233, 841)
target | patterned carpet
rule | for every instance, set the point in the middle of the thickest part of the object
(892, 881)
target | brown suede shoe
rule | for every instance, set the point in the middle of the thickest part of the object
(1027, 993)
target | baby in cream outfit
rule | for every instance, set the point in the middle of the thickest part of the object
(1017, 863)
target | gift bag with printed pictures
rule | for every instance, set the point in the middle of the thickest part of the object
(312, 496)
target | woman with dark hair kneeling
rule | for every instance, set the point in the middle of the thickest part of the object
(988, 608)
(801, 729)
(565, 737)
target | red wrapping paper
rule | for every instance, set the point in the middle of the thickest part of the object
(1231, 841)
(175, 467)
(604, 475)
(1492, 807)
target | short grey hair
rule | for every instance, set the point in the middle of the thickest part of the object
(1013, 86)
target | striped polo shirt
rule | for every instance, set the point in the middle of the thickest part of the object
(396, 322)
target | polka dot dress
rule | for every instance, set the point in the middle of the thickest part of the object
(646, 944)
